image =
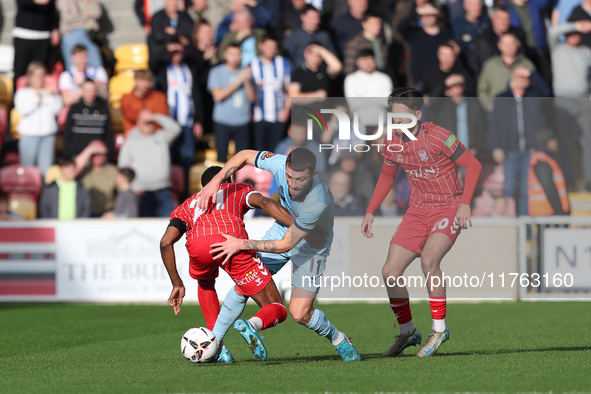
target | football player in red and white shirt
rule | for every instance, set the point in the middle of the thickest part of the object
(203, 229)
(438, 210)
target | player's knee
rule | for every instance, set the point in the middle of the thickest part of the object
(389, 272)
(429, 265)
(282, 312)
(301, 316)
(206, 284)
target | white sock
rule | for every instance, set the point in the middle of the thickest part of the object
(256, 323)
(340, 337)
(438, 325)
(407, 328)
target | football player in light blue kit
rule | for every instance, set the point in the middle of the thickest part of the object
(306, 243)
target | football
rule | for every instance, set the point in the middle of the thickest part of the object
(199, 345)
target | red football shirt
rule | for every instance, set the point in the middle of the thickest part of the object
(427, 161)
(225, 217)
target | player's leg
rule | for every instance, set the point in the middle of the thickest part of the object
(436, 247)
(306, 278)
(399, 258)
(406, 244)
(205, 271)
(253, 279)
(208, 301)
(272, 312)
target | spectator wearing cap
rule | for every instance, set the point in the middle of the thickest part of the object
(295, 43)
(369, 38)
(142, 96)
(571, 65)
(423, 34)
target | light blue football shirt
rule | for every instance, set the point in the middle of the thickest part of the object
(315, 211)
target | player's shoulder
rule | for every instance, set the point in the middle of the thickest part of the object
(265, 158)
(438, 134)
(318, 194)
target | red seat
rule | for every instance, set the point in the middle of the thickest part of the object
(50, 81)
(11, 158)
(21, 181)
(177, 181)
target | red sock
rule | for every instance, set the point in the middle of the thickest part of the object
(209, 302)
(437, 307)
(401, 310)
(272, 314)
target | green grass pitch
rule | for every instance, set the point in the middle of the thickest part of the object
(494, 347)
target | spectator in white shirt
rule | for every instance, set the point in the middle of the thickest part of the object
(370, 84)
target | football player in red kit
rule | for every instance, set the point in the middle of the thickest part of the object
(439, 209)
(203, 229)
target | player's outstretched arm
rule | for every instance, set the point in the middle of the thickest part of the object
(271, 207)
(225, 250)
(473, 170)
(170, 237)
(237, 161)
(385, 182)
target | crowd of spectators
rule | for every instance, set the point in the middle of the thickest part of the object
(234, 69)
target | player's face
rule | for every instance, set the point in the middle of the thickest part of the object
(401, 108)
(299, 182)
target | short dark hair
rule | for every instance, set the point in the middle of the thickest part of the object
(233, 45)
(365, 52)
(370, 14)
(269, 36)
(208, 174)
(128, 173)
(78, 48)
(410, 97)
(301, 159)
(501, 8)
(64, 161)
(308, 7)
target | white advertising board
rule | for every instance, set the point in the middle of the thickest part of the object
(567, 258)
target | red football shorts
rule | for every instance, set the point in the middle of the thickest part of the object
(245, 268)
(418, 224)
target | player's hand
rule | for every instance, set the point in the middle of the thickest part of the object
(464, 216)
(225, 250)
(366, 225)
(176, 298)
(206, 195)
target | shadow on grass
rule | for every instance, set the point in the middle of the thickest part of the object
(372, 356)
(509, 351)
